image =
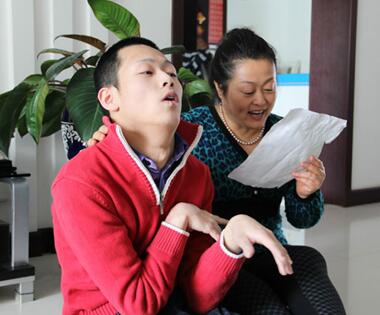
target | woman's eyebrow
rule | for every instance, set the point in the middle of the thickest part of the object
(251, 82)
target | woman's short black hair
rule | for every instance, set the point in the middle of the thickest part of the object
(107, 67)
(238, 44)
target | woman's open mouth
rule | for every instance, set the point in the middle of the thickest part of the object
(256, 114)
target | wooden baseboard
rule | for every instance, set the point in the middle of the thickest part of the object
(363, 196)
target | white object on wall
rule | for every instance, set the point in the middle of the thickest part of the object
(285, 24)
(366, 130)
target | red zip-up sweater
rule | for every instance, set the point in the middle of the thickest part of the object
(114, 251)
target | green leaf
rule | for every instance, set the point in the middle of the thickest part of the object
(82, 103)
(91, 61)
(197, 87)
(173, 49)
(21, 124)
(185, 75)
(97, 43)
(200, 99)
(11, 104)
(54, 106)
(63, 64)
(33, 80)
(115, 18)
(35, 109)
(55, 51)
(47, 64)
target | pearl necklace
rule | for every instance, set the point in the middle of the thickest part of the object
(242, 142)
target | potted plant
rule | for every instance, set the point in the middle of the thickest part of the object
(36, 104)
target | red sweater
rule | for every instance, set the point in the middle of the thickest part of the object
(115, 254)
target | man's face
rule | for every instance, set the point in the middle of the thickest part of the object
(149, 91)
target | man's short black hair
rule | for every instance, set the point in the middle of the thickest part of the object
(107, 67)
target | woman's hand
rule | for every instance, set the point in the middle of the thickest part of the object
(242, 232)
(98, 135)
(311, 178)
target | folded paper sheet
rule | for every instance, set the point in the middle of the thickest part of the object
(293, 139)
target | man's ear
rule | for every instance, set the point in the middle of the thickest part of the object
(107, 97)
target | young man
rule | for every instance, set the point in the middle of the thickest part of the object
(131, 214)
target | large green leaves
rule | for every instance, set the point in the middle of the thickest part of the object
(176, 49)
(63, 64)
(47, 64)
(35, 109)
(54, 106)
(186, 76)
(55, 51)
(115, 18)
(97, 43)
(196, 93)
(82, 103)
(197, 86)
(21, 124)
(11, 104)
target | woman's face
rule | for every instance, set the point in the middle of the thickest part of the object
(251, 93)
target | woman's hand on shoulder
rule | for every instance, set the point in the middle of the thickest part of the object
(98, 135)
(311, 178)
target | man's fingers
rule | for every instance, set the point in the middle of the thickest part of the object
(283, 261)
(214, 232)
(220, 220)
(280, 254)
(209, 225)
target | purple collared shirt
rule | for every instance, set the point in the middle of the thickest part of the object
(161, 176)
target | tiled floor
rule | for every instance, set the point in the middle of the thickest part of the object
(349, 238)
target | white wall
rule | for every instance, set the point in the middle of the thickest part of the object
(26, 27)
(285, 24)
(155, 19)
(366, 136)
(289, 97)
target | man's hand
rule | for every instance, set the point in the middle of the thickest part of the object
(189, 217)
(242, 232)
(98, 135)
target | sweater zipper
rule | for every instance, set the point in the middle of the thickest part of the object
(179, 167)
(161, 204)
(160, 196)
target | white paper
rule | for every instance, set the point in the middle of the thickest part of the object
(300, 134)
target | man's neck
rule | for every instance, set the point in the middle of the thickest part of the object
(158, 145)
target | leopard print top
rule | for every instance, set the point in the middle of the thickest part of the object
(222, 154)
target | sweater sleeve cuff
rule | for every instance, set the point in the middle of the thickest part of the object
(170, 241)
(170, 226)
(226, 251)
(307, 199)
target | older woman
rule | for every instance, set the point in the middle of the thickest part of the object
(243, 73)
